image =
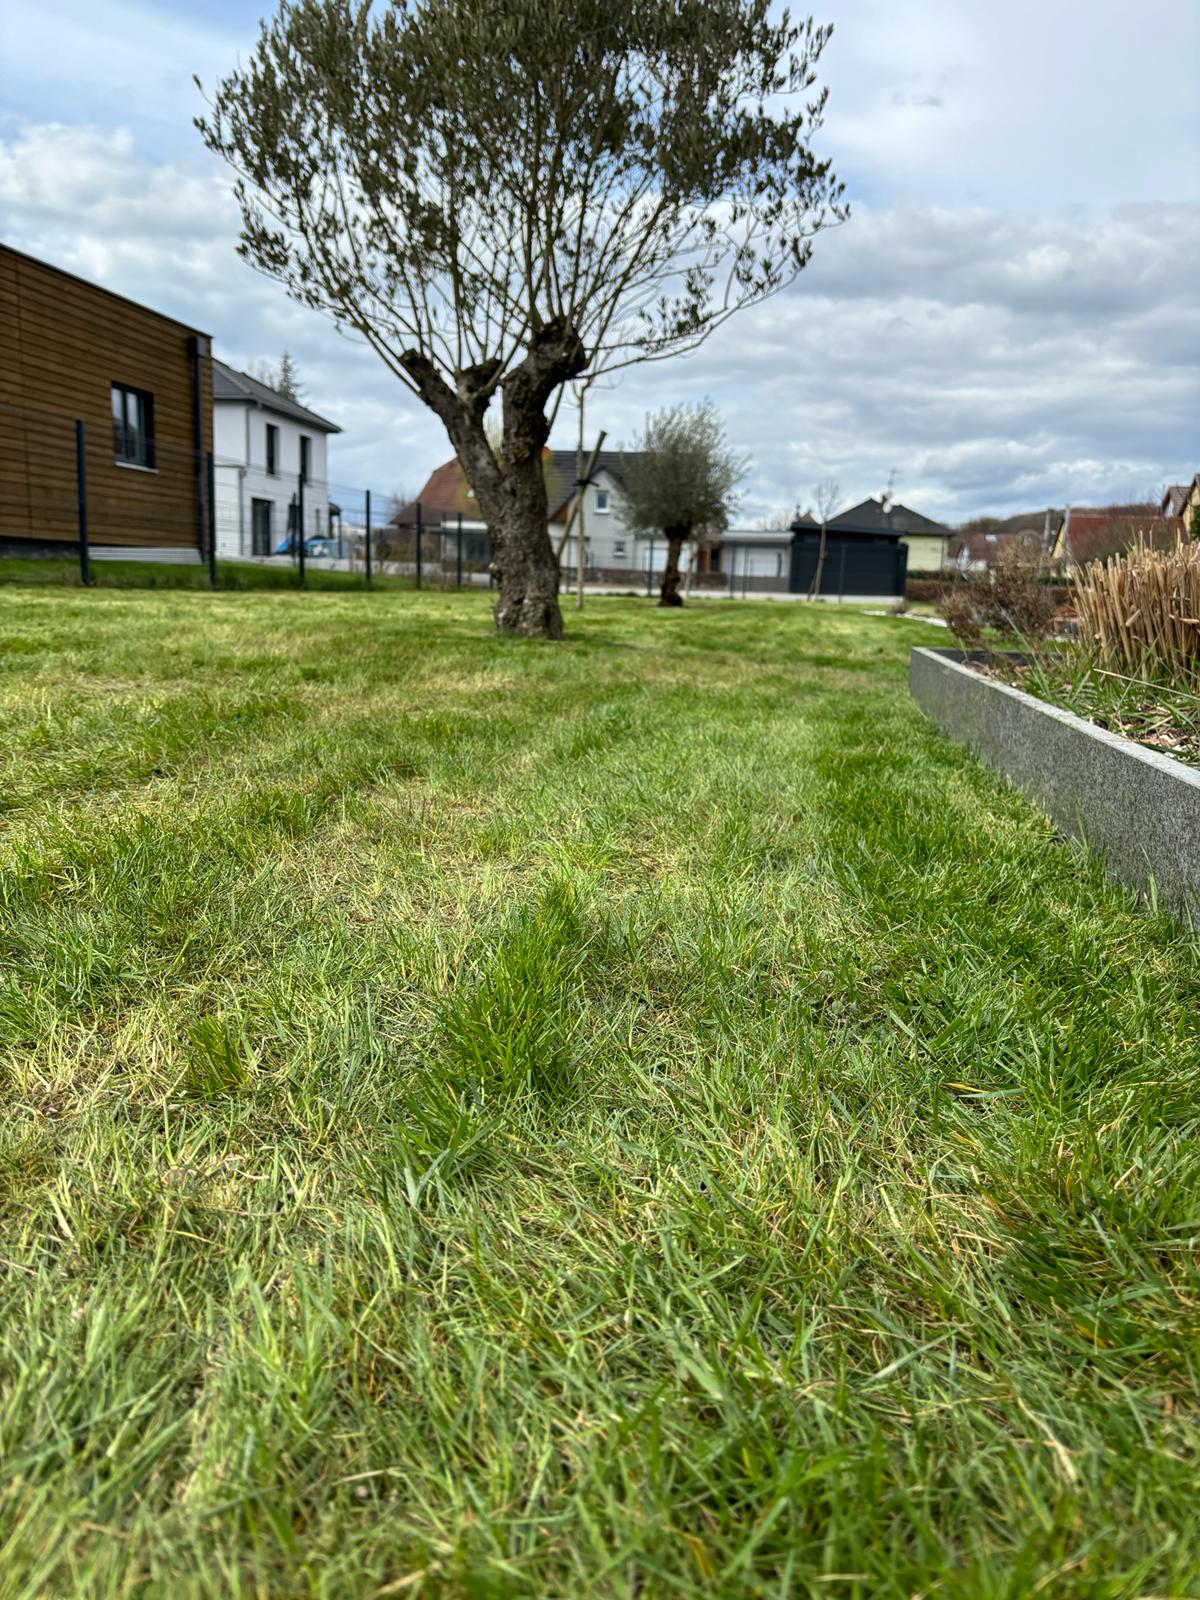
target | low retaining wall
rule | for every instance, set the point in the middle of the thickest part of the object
(1139, 808)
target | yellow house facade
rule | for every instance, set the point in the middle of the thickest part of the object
(927, 542)
(926, 551)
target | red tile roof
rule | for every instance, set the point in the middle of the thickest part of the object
(1096, 535)
(445, 494)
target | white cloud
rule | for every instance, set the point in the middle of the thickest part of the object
(165, 234)
(1039, 105)
(994, 362)
(109, 62)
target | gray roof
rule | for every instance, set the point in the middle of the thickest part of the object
(739, 536)
(870, 517)
(229, 384)
(560, 472)
(1175, 498)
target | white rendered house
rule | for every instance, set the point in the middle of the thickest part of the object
(610, 545)
(269, 458)
(613, 552)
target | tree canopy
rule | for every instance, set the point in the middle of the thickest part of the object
(681, 478)
(505, 195)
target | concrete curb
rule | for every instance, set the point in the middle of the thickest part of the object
(1141, 810)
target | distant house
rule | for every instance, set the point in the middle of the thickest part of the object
(758, 560)
(1088, 533)
(1182, 500)
(612, 551)
(867, 548)
(979, 552)
(265, 446)
(869, 551)
(140, 383)
(925, 541)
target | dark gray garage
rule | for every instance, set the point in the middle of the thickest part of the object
(855, 563)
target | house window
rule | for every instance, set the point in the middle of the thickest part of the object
(272, 450)
(619, 548)
(601, 499)
(133, 426)
(260, 527)
(305, 451)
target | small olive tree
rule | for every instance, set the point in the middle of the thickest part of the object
(501, 196)
(680, 479)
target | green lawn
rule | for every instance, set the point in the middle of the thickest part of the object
(637, 1117)
(59, 572)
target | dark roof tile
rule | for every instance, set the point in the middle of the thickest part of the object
(229, 384)
(870, 517)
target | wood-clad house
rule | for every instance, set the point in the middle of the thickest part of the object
(142, 385)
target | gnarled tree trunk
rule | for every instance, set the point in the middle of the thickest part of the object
(669, 594)
(510, 489)
(523, 562)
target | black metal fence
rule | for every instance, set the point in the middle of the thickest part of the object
(363, 535)
(82, 489)
(74, 487)
(68, 486)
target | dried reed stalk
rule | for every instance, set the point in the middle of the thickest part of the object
(1140, 611)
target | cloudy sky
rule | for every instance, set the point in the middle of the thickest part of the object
(1011, 318)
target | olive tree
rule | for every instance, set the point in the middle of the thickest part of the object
(679, 480)
(502, 196)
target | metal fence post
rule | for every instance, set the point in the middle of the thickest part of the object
(212, 522)
(418, 544)
(458, 557)
(85, 563)
(300, 524)
(650, 570)
(367, 541)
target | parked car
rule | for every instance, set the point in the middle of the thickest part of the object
(319, 546)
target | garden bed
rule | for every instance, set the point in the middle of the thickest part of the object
(1153, 715)
(1137, 806)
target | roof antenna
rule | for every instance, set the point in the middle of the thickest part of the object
(889, 494)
